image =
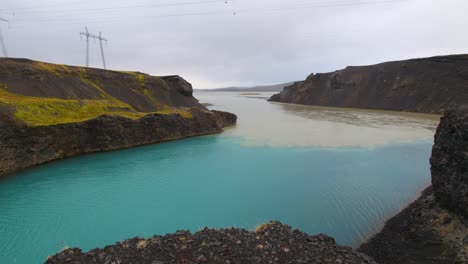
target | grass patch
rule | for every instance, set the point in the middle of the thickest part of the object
(261, 227)
(264, 226)
(142, 244)
(38, 111)
(55, 69)
(41, 111)
(141, 79)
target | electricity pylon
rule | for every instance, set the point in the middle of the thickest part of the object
(102, 49)
(100, 38)
(2, 42)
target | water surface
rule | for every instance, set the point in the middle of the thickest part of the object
(335, 171)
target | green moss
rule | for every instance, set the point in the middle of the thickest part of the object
(142, 88)
(36, 111)
(81, 72)
(261, 227)
(141, 79)
(154, 101)
(55, 69)
(264, 226)
(3, 86)
(169, 110)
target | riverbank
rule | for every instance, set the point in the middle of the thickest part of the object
(23, 147)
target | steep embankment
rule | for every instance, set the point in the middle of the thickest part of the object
(270, 243)
(50, 112)
(433, 229)
(429, 85)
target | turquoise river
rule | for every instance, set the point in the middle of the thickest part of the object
(341, 172)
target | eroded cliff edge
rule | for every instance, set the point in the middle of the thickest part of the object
(50, 112)
(428, 85)
(434, 228)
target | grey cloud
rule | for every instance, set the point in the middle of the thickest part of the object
(222, 49)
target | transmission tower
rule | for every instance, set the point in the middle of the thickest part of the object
(98, 37)
(2, 42)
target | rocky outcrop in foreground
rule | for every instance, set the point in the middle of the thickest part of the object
(433, 229)
(22, 147)
(271, 243)
(429, 85)
(423, 233)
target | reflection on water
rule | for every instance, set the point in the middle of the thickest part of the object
(265, 123)
(364, 117)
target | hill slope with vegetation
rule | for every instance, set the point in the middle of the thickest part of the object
(50, 111)
(41, 93)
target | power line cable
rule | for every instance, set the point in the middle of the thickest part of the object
(216, 12)
(56, 5)
(308, 7)
(43, 6)
(127, 7)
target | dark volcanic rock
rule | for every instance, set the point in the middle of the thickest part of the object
(430, 85)
(271, 243)
(225, 119)
(449, 161)
(22, 147)
(433, 229)
(423, 233)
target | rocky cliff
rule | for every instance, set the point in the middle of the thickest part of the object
(22, 147)
(449, 162)
(429, 85)
(270, 243)
(433, 229)
(50, 112)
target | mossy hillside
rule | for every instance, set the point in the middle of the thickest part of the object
(38, 111)
(63, 71)
(57, 69)
(144, 93)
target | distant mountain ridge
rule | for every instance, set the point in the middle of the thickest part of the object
(427, 85)
(259, 88)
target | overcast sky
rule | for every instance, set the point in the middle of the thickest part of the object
(238, 43)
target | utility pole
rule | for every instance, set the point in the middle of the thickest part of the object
(100, 38)
(102, 50)
(87, 45)
(2, 42)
